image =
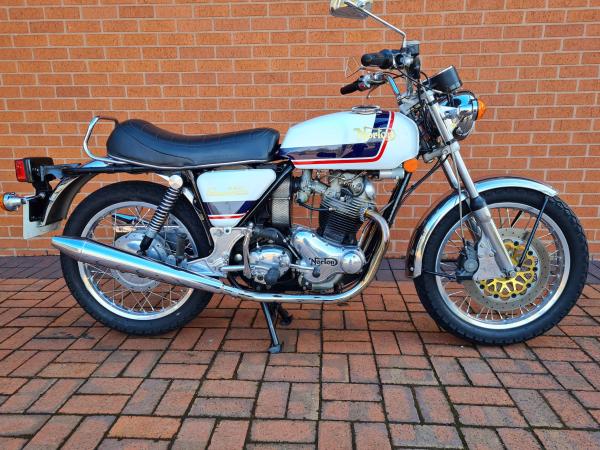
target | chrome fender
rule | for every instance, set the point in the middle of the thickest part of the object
(432, 218)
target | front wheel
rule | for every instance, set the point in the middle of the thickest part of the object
(118, 215)
(507, 310)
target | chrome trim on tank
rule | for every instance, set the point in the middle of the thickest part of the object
(431, 219)
(88, 251)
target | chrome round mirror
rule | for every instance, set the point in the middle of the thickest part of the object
(350, 9)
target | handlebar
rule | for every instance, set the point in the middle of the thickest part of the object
(383, 59)
(363, 83)
(350, 88)
(407, 58)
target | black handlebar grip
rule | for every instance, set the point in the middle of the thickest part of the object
(383, 59)
(350, 88)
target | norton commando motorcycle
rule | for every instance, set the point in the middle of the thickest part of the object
(496, 261)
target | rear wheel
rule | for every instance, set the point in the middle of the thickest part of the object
(118, 215)
(512, 309)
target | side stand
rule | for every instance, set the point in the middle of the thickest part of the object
(271, 312)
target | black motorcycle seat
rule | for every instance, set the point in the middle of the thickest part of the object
(138, 141)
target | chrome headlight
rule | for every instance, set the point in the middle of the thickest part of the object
(461, 112)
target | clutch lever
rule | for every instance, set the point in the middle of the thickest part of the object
(375, 86)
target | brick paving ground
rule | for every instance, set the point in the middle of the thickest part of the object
(373, 373)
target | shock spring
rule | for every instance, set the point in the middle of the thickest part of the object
(162, 212)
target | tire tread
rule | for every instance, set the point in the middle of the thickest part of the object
(429, 295)
(143, 191)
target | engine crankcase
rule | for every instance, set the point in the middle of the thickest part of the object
(331, 260)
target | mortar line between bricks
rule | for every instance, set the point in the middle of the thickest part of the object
(586, 314)
(202, 380)
(144, 378)
(376, 361)
(379, 383)
(530, 427)
(259, 384)
(540, 392)
(575, 369)
(322, 346)
(578, 371)
(81, 419)
(443, 388)
(218, 420)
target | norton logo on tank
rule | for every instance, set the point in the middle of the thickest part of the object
(367, 134)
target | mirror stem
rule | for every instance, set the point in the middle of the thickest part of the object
(378, 19)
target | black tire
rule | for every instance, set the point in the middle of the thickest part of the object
(560, 213)
(144, 192)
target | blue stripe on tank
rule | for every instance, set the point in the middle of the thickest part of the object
(343, 151)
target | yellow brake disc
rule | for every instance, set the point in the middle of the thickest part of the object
(506, 288)
(507, 294)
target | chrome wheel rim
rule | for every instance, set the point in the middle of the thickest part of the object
(128, 295)
(459, 298)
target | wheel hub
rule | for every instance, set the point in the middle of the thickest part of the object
(510, 293)
(130, 243)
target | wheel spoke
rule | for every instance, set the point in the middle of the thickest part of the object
(518, 298)
(127, 294)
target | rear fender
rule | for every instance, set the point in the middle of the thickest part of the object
(432, 218)
(62, 197)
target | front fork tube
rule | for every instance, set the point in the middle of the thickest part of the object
(481, 212)
(477, 203)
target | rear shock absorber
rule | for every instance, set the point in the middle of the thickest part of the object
(162, 212)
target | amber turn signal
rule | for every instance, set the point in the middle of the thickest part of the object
(481, 109)
(411, 165)
(11, 201)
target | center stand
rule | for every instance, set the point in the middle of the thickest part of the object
(272, 312)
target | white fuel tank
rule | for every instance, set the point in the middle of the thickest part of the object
(228, 195)
(352, 141)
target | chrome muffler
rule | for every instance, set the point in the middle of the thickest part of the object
(91, 252)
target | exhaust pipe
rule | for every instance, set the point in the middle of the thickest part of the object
(91, 252)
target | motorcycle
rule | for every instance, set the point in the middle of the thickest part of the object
(496, 261)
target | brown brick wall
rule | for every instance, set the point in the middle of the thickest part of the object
(202, 67)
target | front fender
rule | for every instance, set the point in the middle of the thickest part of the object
(431, 219)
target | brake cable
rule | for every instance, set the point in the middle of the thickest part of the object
(459, 192)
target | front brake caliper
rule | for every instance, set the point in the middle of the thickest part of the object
(467, 262)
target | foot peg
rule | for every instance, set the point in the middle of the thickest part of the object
(272, 311)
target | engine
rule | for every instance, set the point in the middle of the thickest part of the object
(342, 206)
(324, 262)
(268, 263)
(271, 252)
(331, 252)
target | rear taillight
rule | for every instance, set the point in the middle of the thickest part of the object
(20, 171)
